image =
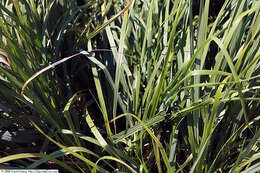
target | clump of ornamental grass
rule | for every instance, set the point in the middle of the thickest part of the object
(174, 90)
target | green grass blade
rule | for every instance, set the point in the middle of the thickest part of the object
(32, 155)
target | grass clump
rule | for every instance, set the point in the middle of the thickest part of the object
(149, 86)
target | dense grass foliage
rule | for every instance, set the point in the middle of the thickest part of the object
(137, 86)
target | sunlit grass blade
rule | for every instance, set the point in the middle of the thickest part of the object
(161, 148)
(84, 159)
(95, 131)
(33, 155)
(60, 153)
(117, 160)
(69, 119)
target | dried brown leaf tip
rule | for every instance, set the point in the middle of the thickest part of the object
(4, 59)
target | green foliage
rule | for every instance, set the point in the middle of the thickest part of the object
(171, 91)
